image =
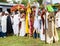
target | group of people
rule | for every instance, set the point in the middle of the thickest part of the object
(36, 23)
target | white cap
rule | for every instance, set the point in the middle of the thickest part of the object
(6, 12)
(12, 15)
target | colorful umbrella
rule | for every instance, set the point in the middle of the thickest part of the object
(17, 7)
(50, 8)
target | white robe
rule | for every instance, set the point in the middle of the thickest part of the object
(3, 23)
(22, 30)
(0, 24)
(16, 24)
(57, 19)
(36, 22)
(42, 36)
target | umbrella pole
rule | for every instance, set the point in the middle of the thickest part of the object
(45, 30)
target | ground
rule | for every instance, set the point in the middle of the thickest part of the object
(25, 41)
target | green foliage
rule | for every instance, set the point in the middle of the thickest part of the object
(25, 41)
(40, 1)
(24, 2)
(2, 0)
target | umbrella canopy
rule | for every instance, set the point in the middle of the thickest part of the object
(17, 7)
(55, 9)
(50, 8)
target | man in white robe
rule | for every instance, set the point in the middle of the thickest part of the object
(16, 24)
(0, 25)
(3, 23)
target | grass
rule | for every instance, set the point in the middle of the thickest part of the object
(25, 41)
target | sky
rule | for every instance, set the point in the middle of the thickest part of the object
(53, 1)
(56, 1)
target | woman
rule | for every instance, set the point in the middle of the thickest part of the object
(36, 25)
(42, 32)
(41, 26)
(31, 24)
(22, 29)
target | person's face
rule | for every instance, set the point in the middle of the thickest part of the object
(39, 13)
(33, 12)
(6, 14)
(13, 13)
(18, 12)
(23, 14)
(3, 13)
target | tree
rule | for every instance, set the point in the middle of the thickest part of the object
(40, 1)
(24, 2)
(2, 0)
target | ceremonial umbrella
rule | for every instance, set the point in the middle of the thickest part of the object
(50, 8)
(17, 7)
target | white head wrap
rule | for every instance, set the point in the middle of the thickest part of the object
(6, 12)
